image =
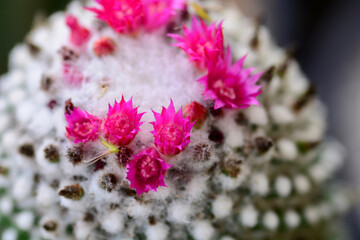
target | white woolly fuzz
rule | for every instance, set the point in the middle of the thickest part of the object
(83, 230)
(312, 214)
(318, 173)
(203, 230)
(16, 96)
(271, 220)
(232, 132)
(4, 122)
(25, 220)
(302, 184)
(341, 202)
(292, 219)
(249, 216)
(9, 234)
(227, 238)
(6, 205)
(260, 184)
(222, 206)
(138, 210)
(257, 115)
(326, 210)
(180, 212)
(51, 226)
(22, 187)
(234, 138)
(281, 114)
(51, 169)
(283, 186)
(112, 222)
(9, 140)
(197, 187)
(231, 183)
(46, 196)
(157, 232)
(287, 148)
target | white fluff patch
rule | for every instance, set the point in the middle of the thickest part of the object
(203, 230)
(180, 212)
(222, 206)
(113, 222)
(157, 232)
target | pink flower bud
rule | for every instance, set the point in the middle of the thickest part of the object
(104, 46)
(79, 35)
(196, 112)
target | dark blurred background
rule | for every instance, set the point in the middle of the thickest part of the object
(16, 19)
(326, 32)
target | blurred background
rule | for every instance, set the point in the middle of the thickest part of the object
(326, 32)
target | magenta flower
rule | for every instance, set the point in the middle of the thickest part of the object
(160, 12)
(200, 41)
(231, 86)
(147, 171)
(82, 126)
(125, 16)
(122, 123)
(79, 35)
(171, 130)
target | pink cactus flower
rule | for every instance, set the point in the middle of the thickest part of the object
(125, 16)
(122, 123)
(79, 35)
(171, 130)
(82, 126)
(104, 46)
(147, 171)
(201, 40)
(196, 112)
(160, 12)
(230, 86)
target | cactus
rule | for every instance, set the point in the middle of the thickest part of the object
(91, 149)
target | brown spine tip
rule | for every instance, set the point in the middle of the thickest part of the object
(263, 144)
(290, 54)
(216, 135)
(124, 155)
(69, 106)
(89, 217)
(27, 150)
(108, 182)
(75, 155)
(50, 226)
(152, 220)
(202, 152)
(46, 83)
(231, 166)
(305, 99)
(4, 170)
(33, 48)
(52, 154)
(268, 74)
(73, 192)
(68, 54)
